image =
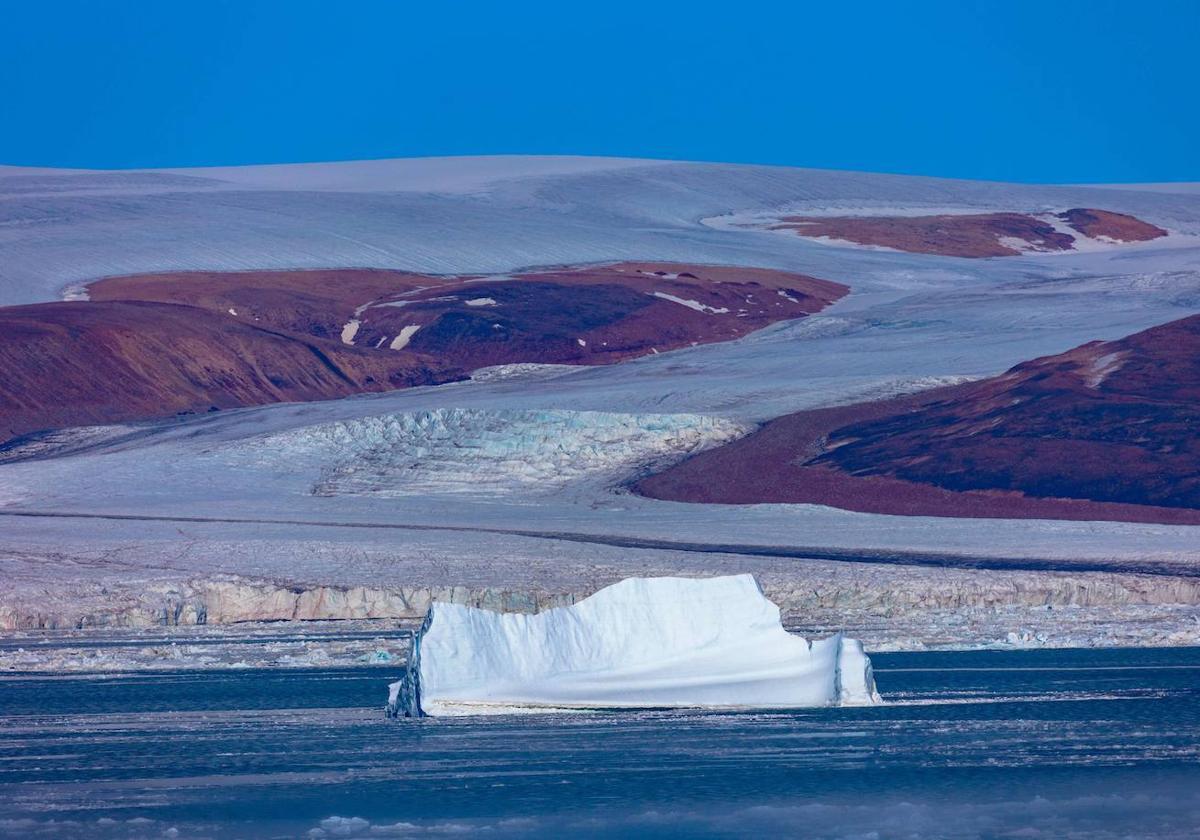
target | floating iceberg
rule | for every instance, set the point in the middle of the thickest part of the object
(641, 643)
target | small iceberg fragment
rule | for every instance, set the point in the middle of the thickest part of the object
(641, 643)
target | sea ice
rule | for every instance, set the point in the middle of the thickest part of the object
(644, 642)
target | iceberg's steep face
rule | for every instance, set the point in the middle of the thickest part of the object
(643, 642)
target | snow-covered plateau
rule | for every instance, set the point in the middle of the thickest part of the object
(640, 643)
(506, 490)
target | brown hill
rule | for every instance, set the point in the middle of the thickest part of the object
(154, 345)
(973, 234)
(589, 315)
(1104, 431)
(70, 364)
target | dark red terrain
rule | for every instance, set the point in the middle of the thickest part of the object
(972, 235)
(1115, 226)
(72, 364)
(154, 345)
(1104, 431)
(591, 315)
(311, 303)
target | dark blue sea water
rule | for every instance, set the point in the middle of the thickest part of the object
(983, 744)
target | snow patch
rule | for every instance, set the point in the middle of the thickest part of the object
(644, 642)
(692, 304)
(406, 334)
(349, 330)
(1103, 367)
(1021, 246)
(483, 301)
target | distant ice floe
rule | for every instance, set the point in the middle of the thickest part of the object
(478, 452)
(644, 642)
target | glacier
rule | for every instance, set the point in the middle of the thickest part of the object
(480, 453)
(665, 642)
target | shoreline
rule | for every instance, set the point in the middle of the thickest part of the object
(385, 643)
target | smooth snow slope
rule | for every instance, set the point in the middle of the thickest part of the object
(453, 215)
(643, 642)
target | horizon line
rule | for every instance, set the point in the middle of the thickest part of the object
(570, 156)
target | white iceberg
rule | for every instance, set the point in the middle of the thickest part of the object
(641, 643)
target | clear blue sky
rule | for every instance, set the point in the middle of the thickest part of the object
(1045, 90)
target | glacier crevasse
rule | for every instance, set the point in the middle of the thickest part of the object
(641, 643)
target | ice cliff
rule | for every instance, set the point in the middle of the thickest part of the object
(643, 642)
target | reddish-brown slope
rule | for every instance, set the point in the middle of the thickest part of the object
(589, 315)
(975, 235)
(593, 315)
(68, 364)
(1105, 431)
(153, 345)
(315, 303)
(1116, 226)
(972, 234)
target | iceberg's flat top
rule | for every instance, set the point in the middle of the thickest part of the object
(643, 642)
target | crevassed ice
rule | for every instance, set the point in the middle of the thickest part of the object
(643, 642)
(523, 370)
(473, 451)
